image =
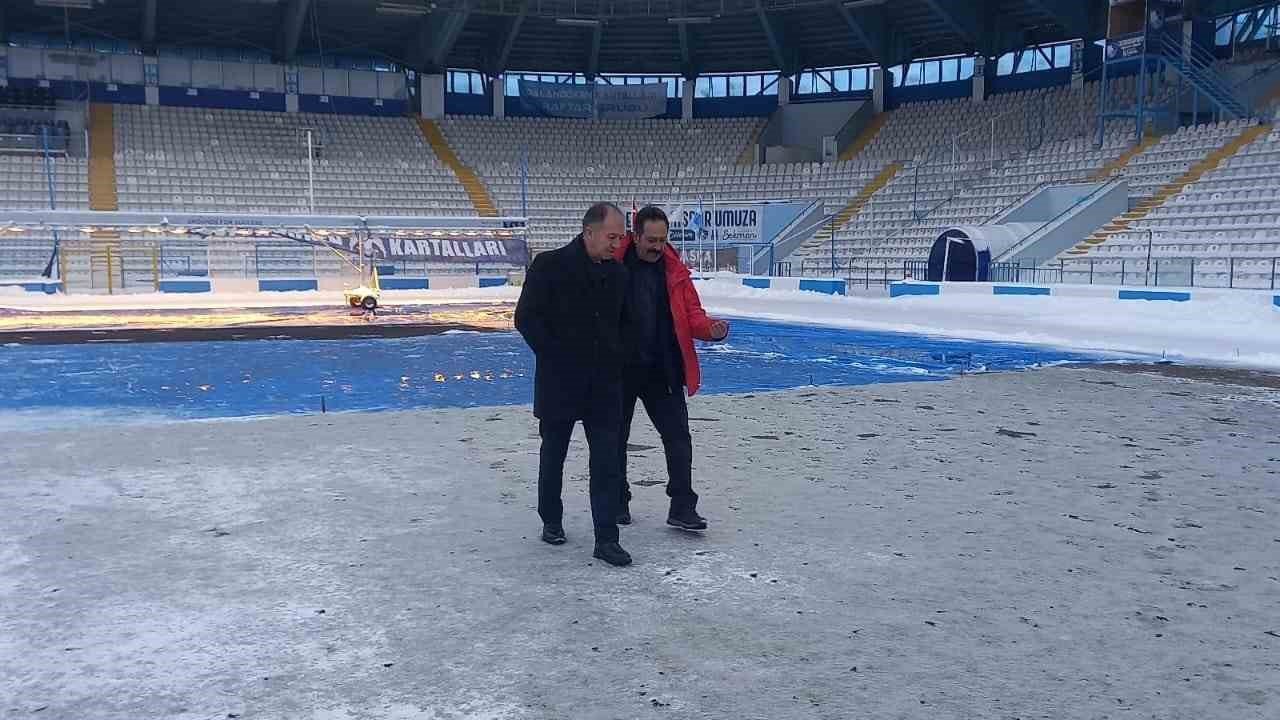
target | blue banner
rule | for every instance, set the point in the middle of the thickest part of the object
(606, 102)
(631, 102)
(1126, 47)
(558, 99)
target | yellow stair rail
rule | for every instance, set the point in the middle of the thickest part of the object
(102, 158)
(865, 137)
(859, 201)
(1145, 207)
(479, 194)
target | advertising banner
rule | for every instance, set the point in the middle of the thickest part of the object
(630, 102)
(558, 99)
(512, 251)
(606, 102)
(723, 224)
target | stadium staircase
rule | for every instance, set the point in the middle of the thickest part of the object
(104, 246)
(102, 158)
(1164, 194)
(854, 206)
(479, 194)
(1117, 166)
(865, 137)
(1196, 65)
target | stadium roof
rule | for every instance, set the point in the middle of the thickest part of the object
(589, 36)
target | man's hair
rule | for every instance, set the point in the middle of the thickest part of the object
(598, 212)
(647, 214)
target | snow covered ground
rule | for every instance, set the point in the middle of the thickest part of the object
(1064, 544)
(17, 299)
(1231, 330)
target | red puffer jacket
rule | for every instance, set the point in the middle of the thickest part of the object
(687, 316)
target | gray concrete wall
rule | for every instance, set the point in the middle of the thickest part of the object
(801, 127)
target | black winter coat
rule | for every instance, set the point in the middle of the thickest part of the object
(570, 313)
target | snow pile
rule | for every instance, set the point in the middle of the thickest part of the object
(22, 300)
(1231, 329)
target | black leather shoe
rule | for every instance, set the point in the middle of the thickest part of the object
(612, 553)
(553, 534)
(624, 517)
(686, 520)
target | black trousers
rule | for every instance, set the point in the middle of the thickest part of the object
(603, 441)
(669, 413)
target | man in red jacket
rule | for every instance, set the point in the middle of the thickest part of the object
(665, 317)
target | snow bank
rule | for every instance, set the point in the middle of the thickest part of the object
(1227, 330)
(22, 300)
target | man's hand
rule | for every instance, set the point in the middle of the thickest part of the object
(719, 330)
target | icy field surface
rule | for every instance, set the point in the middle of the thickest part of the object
(55, 385)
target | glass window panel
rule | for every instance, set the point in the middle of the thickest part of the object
(915, 72)
(1004, 66)
(931, 75)
(950, 70)
(513, 86)
(719, 86)
(806, 84)
(860, 78)
(1026, 63)
(1223, 38)
(842, 80)
(753, 84)
(702, 88)
(737, 86)
(770, 86)
(1062, 56)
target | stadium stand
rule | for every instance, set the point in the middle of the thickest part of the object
(1040, 137)
(1210, 216)
(171, 158)
(571, 163)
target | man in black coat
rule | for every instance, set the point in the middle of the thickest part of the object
(570, 313)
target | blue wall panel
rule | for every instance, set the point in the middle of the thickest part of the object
(828, 287)
(902, 289)
(1028, 81)
(351, 105)
(185, 286)
(1019, 290)
(895, 96)
(286, 285)
(1154, 295)
(464, 104)
(492, 282)
(403, 283)
(230, 99)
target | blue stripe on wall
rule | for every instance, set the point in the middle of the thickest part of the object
(215, 98)
(286, 285)
(828, 287)
(901, 289)
(403, 283)
(1019, 290)
(1154, 295)
(185, 286)
(1276, 300)
(48, 288)
(492, 282)
(757, 283)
